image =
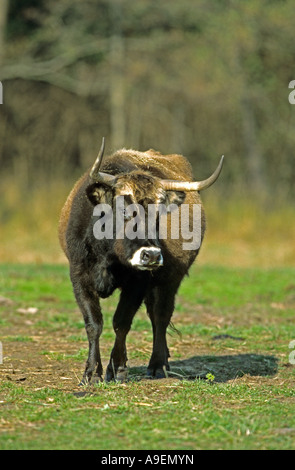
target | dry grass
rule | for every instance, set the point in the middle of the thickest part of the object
(239, 233)
(29, 224)
(244, 234)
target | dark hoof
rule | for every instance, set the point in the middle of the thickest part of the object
(159, 373)
(121, 375)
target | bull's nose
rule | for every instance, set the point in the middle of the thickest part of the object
(151, 256)
(147, 258)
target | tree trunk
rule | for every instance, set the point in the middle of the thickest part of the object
(252, 151)
(117, 79)
(253, 154)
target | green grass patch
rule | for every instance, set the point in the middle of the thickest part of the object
(231, 384)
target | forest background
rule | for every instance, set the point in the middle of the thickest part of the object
(197, 77)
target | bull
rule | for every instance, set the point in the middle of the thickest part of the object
(146, 269)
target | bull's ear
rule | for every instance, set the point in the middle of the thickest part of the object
(175, 197)
(99, 193)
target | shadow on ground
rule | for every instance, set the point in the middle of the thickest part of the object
(223, 368)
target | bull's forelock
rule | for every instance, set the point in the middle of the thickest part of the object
(140, 187)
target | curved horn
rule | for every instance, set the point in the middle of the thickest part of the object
(193, 185)
(97, 175)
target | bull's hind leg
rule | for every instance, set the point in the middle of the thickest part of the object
(160, 306)
(88, 301)
(130, 301)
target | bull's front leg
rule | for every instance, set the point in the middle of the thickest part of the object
(130, 301)
(88, 301)
(160, 306)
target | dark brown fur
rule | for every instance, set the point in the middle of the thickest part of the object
(98, 267)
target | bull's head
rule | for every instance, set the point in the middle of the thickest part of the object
(140, 188)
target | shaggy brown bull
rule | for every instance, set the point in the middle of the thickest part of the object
(145, 267)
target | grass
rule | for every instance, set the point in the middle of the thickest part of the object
(231, 386)
(192, 415)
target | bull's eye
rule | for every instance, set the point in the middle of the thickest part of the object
(129, 214)
(126, 214)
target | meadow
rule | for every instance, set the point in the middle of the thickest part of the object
(194, 78)
(231, 384)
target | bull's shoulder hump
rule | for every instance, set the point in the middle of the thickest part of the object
(172, 166)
